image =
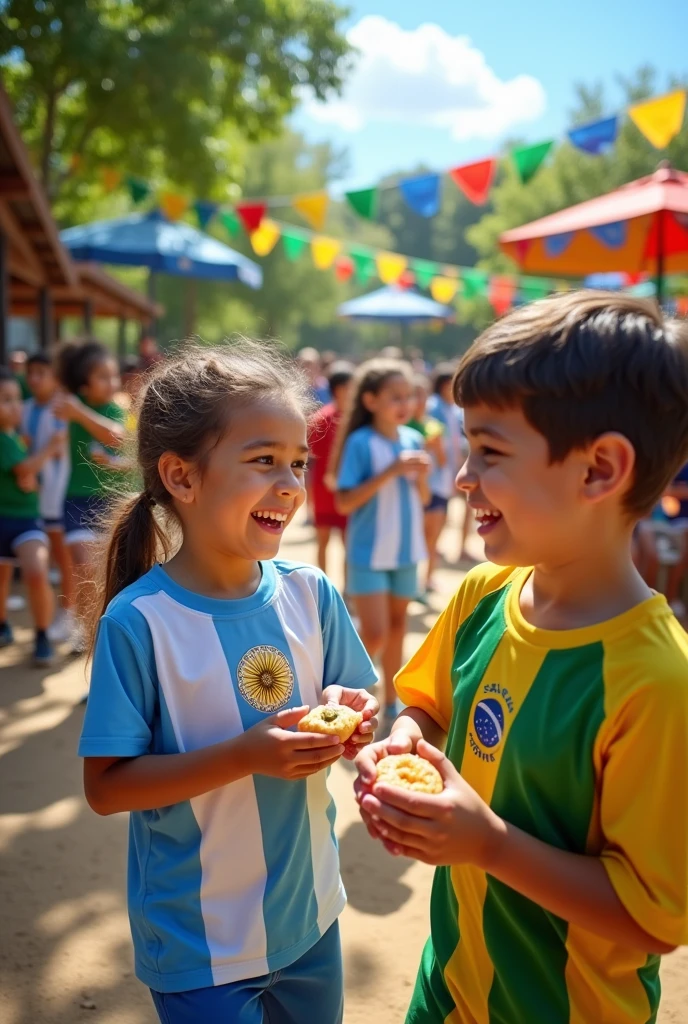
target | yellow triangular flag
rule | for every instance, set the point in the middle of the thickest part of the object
(264, 239)
(660, 120)
(324, 250)
(173, 205)
(443, 289)
(390, 266)
(110, 175)
(313, 207)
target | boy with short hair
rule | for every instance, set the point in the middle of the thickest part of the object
(557, 682)
(39, 427)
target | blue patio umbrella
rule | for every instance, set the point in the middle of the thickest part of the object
(166, 247)
(394, 306)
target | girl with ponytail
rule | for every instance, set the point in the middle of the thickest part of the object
(208, 651)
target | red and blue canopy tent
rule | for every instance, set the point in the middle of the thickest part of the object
(639, 228)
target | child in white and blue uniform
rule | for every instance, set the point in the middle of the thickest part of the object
(234, 886)
(382, 486)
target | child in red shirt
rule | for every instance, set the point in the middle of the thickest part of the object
(322, 433)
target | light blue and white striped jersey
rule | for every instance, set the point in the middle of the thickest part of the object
(39, 425)
(243, 880)
(442, 480)
(386, 532)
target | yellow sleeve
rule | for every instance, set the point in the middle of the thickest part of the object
(425, 682)
(644, 804)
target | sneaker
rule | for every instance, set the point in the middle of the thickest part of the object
(6, 634)
(62, 627)
(78, 639)
(43, 651)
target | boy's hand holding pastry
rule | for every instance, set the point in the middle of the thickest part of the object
(454, 826)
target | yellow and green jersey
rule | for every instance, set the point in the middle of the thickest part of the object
(580, 738)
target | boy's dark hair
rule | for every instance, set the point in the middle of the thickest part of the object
(39, 359)
(340, 373)
(586, 363)
(76, 361)
(443, 374)
(6, 374)
(185, 407)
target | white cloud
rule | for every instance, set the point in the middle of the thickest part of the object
(426, 76)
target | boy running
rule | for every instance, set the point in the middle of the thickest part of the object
(556, 681)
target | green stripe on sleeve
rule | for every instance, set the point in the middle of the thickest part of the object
(545, 786)
(649, 976)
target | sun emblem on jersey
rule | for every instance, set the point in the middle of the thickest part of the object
(265, 679)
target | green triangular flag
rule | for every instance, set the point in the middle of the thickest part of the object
(364, 264)
(364, 202)
(532, 288)
(474, 283)
(138, 189)
(294, 243)
(230, 222)
(424, 271)
(529, 158)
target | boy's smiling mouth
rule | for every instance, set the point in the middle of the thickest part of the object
(487, 518)
(271, 520)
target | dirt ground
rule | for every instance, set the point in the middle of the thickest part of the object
(65, 949)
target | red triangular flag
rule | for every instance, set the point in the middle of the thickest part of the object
(475, 180)
(344, 267)
(251, 214)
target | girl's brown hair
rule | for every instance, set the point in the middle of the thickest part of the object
(185, 407)
(369, 379)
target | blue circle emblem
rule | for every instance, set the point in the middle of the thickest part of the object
(488, 719)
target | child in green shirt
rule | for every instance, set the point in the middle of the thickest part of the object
(22, 538)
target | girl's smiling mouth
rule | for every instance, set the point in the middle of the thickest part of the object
(270, 520)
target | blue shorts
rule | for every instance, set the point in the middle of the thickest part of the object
(16, 531)
(82, 518)
(311, 989)
(437, 504)
(361, 581)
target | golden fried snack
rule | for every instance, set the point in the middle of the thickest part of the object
(332, 720)
(409, 771)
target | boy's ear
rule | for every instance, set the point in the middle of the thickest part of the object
(611, 461)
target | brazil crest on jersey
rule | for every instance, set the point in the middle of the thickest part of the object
(580, 738)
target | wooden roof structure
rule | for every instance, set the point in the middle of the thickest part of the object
(38, 277)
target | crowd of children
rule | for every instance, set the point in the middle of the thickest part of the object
(551, 695)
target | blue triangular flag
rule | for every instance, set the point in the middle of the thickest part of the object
(596, 136)
(422, 194)
(613, 236)
(205, 211)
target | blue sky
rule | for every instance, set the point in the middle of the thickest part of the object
(445, 81)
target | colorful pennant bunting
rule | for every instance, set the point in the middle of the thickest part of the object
(407, 279)
(111, 178)
(294, 243)
(138, 189)
(532, 288)
(365, 202)
(474, 283)
(527, 159)
(443, 289)
(364, 263)
(422, 194)
(425, 270)
(324, 251)
(390, 266)
(230, 222)
(265, 238)
(250, 215)
(502, 293)
(343, 268)
(205, 211)
(612, 236)
(173, 205)
(596, 136)
(660, 119)
(313, 207)
(475, 180)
